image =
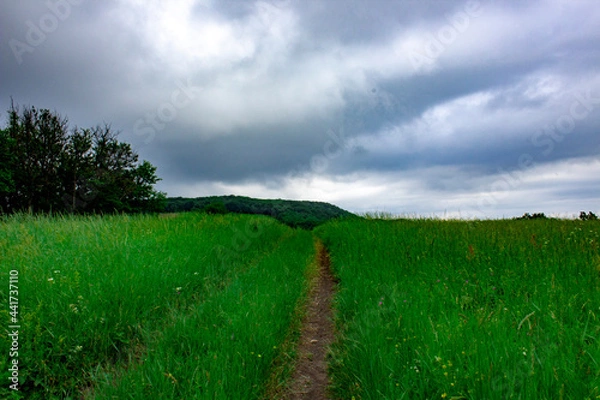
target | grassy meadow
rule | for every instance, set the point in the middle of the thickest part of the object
(185, 306)
(432, 309)
(208, 306)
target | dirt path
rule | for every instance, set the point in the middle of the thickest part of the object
(310, 380)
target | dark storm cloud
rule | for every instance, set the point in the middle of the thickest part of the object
(241, 156)
(80, 67)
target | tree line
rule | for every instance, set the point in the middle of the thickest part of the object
(46, 167)
(294, 213)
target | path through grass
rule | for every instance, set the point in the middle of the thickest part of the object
(310, 379)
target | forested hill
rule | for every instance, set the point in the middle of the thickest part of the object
(303, 214)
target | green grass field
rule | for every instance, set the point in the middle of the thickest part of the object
(466, 310)
(189, 306)
(198, 306)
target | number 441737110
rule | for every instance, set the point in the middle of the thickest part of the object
(13, 293)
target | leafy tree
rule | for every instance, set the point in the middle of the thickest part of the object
(78, 170)
(113, 162)
(6, 162)
(217, 207)
(119, 182)
(528, 216)
(144, 197)
(47, 169)
(587, 216)
(38, 139)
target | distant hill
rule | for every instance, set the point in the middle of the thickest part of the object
(302, 214)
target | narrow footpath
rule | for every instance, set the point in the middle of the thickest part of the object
(310, 380)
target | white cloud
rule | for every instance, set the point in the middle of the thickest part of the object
(183, 38)
(512, 113)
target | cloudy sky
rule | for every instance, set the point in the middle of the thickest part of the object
(449, 108)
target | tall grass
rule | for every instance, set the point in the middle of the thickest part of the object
(474, 310)
(197, 306)
(97, 293)
(225, 346)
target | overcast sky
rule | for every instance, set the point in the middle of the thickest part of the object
(449, 108)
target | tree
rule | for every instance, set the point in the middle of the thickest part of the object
(216, 207)
(112, 163)
(144, 197)
(119, 183)
(47, 169)
(587, 217)
(78, 170)
(38, 139)
(6, 162)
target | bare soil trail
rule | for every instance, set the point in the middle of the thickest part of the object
(310, 380)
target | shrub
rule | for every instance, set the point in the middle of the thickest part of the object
(217, 207)
(587, 217)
